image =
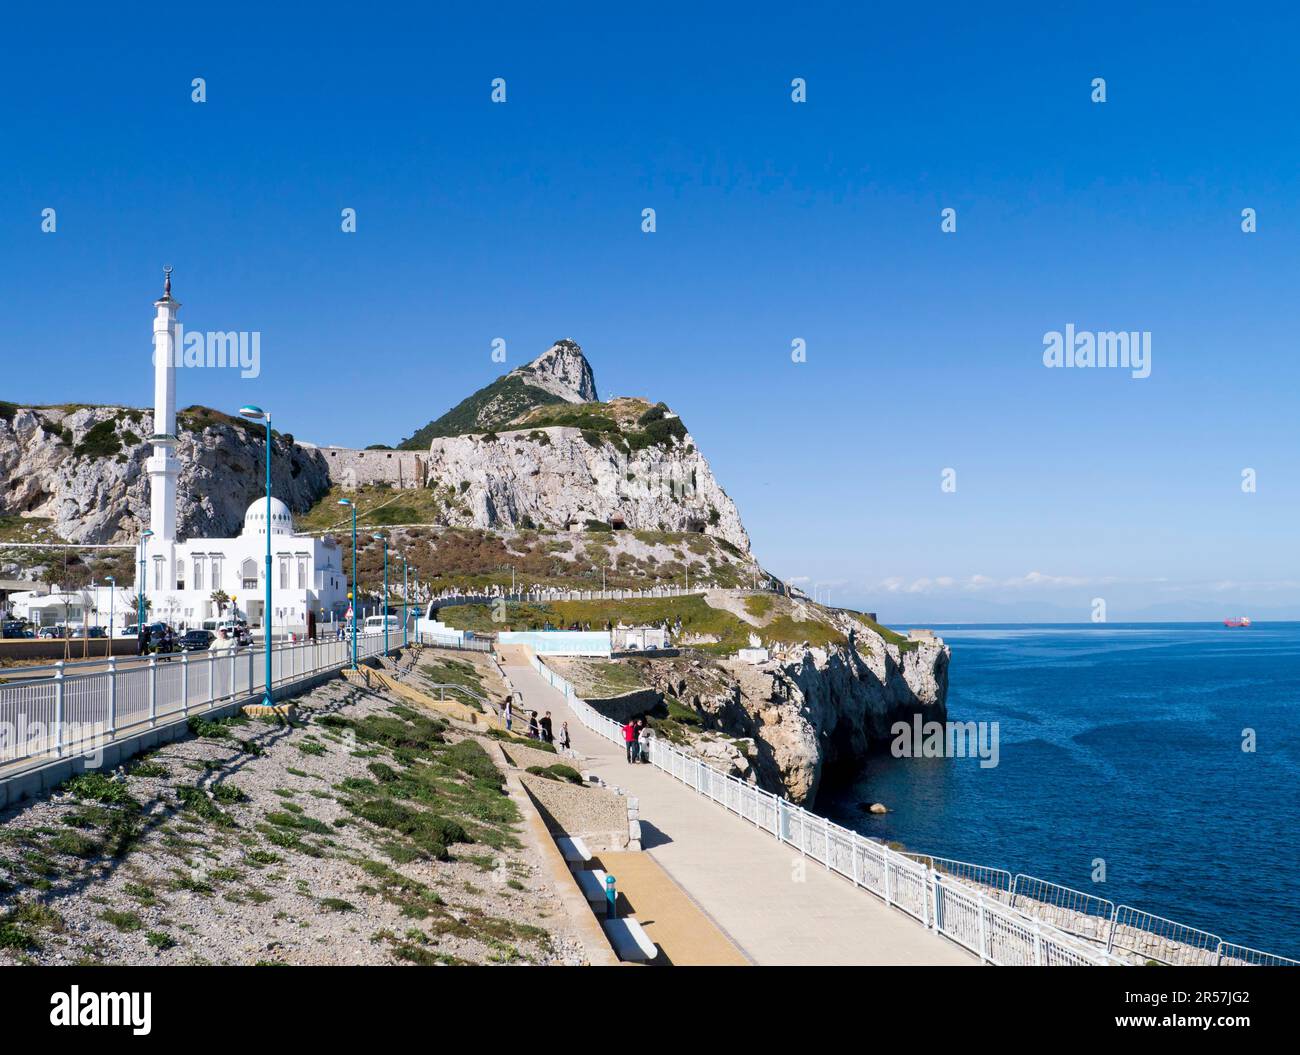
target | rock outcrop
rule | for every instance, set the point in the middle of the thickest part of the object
(561, 374)
(563, 477)
(808, 714)
(563, 371)
(83, 469)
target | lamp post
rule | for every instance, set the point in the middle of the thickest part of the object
(404, 606)
(139, 594)
(384, 540)
(353, 595)
(112, 589)
(258, 414)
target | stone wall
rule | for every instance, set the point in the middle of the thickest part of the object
(350, 468)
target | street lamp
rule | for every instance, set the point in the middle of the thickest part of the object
(258, 414)
(384, 540)
(139, 594)
(404, 589)
(353, 605)
(112, 589)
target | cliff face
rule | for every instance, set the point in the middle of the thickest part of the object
(556, 476)
(809, 713)
(83, 469)
(821, 711)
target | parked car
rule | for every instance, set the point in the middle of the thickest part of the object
(197, 640)
(14, 628)
(161, 639)
(97, 631)
(52, 631)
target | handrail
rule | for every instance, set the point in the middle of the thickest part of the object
(946, 896)
(76, 711)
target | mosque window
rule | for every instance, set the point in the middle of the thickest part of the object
(302, 573)
(198, 573)
(248, 574)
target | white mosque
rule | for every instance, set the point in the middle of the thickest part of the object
(180, 577)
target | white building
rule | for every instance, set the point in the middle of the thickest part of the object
(91, 606)
(180, 577)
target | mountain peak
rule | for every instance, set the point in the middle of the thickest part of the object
(563, 371)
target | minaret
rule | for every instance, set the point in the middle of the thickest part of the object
(163, 466)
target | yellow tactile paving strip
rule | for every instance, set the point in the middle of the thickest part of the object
(685, 935)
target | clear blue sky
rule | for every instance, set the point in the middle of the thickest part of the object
(775, 221)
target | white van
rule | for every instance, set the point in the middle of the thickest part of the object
(374, 624)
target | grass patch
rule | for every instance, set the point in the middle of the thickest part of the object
(123, 921)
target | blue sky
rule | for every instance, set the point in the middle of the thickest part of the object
(776, 221)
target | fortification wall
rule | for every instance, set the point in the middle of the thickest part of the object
(349, 468)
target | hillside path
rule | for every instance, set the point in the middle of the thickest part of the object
(778, 907)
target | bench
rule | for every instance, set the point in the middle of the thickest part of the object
(574, 850)
(592, 885)
(629, 939)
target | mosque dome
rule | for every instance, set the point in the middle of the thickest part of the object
(281, 518)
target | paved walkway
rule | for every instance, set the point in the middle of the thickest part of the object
(777, 906)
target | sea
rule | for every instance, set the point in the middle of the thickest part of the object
(1120, 755)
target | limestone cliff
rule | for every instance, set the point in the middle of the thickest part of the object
(808, 714)
(559, 477)
(82, 468)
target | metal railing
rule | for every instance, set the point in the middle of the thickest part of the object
(964, 914)
(65, 709)
(1022, 921)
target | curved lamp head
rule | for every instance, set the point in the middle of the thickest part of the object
(345, 501)
(254, 413)
(110, 580)
(147, 533)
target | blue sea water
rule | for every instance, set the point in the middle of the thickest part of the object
(1121, 742)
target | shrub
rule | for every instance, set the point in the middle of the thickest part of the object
(100, 441)
(97, 787)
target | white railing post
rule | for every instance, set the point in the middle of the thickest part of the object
(888, 895)
(112, 696)
(58, 709)
(984, 937)
(853, 850)
(1038, 944)
(233, 660)
(153, 690)
(212, 676)
(185, 683)
(826, 827)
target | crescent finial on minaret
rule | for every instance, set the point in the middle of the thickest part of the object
(167, 281)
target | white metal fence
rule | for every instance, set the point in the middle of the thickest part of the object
(1008, 922)
(66, 709)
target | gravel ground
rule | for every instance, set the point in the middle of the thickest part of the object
(194, 888)
(596, 814)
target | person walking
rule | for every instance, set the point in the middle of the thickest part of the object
(629, 739)
(548, 735)
(508, 713)
(532, 725)
(643, 742)
(565, 747)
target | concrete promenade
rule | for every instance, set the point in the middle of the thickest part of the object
(777, 906)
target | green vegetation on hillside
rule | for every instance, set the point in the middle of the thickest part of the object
(629, 424)
(509, 397)
(697, 617)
